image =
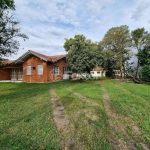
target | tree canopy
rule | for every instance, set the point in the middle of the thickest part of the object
(9, 32)
(117, 43)
(140, 39)
(7, 4)
(144, 56)
(144, 61)
(83, 54)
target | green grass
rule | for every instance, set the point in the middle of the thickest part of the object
(77, 111)
(26, 117)
(26, 114)
(131, 104)
(138, 89)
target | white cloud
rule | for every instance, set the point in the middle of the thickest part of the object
(48, 23)
(56, 31)
(98, 22)
(140, 10)
(95, 6)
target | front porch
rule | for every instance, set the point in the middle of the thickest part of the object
(11, 73)
(16, 74)
(16, 81)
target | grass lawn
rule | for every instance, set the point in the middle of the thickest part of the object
(27, 121)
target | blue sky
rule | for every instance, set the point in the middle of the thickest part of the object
(48, 22)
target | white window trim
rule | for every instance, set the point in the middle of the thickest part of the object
(54, 69)
(28, 70)
(40, 69)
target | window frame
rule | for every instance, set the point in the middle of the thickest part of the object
(65, 69)
(28, 72)
(55, 69)
(40, 70)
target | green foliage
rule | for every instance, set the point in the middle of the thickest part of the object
(144, 61)
(140, 39)
(83, 55)
(117, 42)
(9, 32)
(145, 73)
(7, 4)
(144, 56)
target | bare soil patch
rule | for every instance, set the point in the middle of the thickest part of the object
(87, 113)
(60, 117)
(65, 129)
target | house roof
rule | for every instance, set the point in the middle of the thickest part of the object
(46, 58)
(98, 69)
(56, 57)
(7, 62)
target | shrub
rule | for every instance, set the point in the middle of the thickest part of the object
(145, 73)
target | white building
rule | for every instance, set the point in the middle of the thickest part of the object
(98, 72)
(117, 73)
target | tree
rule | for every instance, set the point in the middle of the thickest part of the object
(9, 32)
(144, 56)
(140, 38)
(144, 61)
(7, 4)
(83, 55)
(117, 45)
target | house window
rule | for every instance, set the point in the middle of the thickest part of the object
(28, 69)
(65, 70)
(55, 70)
(92, 72)
(98, 72)
(40, 69)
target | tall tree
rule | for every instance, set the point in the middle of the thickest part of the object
(9, 32)
(83, 55)
(140, 39)
(117, 44)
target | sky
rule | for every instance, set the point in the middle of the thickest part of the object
(48, 23)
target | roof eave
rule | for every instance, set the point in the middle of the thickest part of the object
(20, 59)
(59, 59)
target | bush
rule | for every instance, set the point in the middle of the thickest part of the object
(145, 73)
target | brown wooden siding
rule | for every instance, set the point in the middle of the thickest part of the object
(5, 74)
(34, 77)
(61, 63)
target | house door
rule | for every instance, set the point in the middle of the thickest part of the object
(20, 74)
(13, 74)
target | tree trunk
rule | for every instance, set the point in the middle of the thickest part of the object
(121, 72)
(137, 69)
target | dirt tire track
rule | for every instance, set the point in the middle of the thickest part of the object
(116, 127)
(83, 98)
(65, 129)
